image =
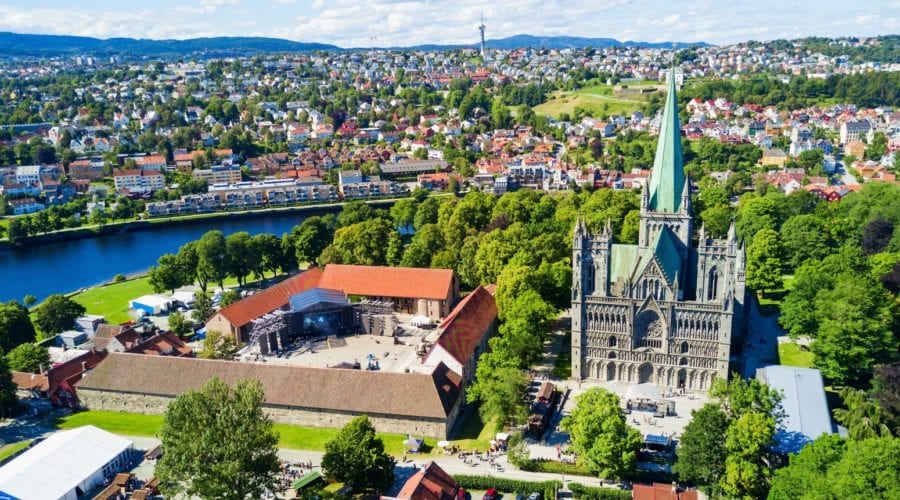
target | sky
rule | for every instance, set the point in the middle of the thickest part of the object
(386, 23)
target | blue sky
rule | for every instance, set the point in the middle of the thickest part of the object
(354, 23)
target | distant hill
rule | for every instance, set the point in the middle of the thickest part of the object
(23, 44)
(559, 42)
(49, 45)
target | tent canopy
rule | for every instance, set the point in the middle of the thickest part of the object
(643, 391)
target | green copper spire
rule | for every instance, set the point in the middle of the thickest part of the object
(667, 178)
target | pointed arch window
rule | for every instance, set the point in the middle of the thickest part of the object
(712, 284)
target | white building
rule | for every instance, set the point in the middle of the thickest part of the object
(139, 181)
(66, 465)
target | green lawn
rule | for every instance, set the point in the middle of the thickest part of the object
(475, 434)
(111, 301)
(599, 100)
(294, 437)
(562, 365)
(792, 354)
(9, 450)
(129, 424)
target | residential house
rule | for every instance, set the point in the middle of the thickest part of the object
(29, 205)
(854, 130)
(138, 181)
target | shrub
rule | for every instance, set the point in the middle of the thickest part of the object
(595, 493)
(546, 488)
(118, 278)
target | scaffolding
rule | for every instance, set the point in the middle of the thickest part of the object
(270, 332)
(376, 317)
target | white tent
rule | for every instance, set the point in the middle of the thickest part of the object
(420, 320)
(643, 391)
(64, 463)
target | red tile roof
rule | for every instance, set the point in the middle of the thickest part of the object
(164, 344)
(31, 381)
(661, 491)
(464, 327)
(429, 483)
(72, 370)
(242, 312)
(399, 282)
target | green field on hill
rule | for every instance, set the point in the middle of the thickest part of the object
(599, 100)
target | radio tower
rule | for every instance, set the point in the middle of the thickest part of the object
(481, 28)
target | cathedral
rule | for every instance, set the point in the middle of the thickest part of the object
(663, 311)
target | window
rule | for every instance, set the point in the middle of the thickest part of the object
(684, 348)
(612, 342)
(712, 284)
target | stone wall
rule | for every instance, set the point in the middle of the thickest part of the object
(156, 405)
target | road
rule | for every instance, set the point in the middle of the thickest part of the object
(761, 345)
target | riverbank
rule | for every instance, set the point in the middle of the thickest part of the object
(94, 231)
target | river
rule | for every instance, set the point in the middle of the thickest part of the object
(67, 266)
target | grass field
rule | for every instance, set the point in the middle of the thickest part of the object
(792, 354)
(111, 301)
(9, 450)
(599, 100)
(475, 434)
(293, 437)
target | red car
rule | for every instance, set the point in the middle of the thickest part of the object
(491, 494)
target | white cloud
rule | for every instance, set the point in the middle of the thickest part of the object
(214, 5)
(354, 23)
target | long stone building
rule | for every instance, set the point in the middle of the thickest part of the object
(421, 404)
(663, 311)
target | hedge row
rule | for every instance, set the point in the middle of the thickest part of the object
(546, 488)
(596, 493)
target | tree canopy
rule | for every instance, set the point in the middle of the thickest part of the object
(218, 443)
(356, 457)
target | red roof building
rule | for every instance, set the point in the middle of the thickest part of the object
(466, 331)
(661, 491)
(429, 483)
(427, 292)
(235, 319)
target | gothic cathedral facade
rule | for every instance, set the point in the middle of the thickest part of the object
(666, 310)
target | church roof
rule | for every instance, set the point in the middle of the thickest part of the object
(667, 178)
(622, 259)
(664, 250)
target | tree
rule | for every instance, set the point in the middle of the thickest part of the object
(29, 300)
(605, 444)
(855, 329)
(877, 235)
(15, 325)
(765, 258)
(499, 387)
(179, 325)
(229, 297)
(9, 401)
(805, 473)
(28, 358)
(363, 243)
(167, 274)
(739, 397)
(403, 213)
(355, 212)
(804, 237)
(701, 448)
(218, 345)
(212, 258)
(243, 256)
(747, 469)
(203, 307)
(427, 241)
(310, 238)
(269, 247)
(869, 469)
(218, 443)
(356, 457)
(863, 417)
(57, 314)
(188, 261)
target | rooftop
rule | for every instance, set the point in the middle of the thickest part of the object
(60, 463)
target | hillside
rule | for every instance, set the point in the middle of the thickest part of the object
(18, 44)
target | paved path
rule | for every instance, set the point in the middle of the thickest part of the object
(761, 345)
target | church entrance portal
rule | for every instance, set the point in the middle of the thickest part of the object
(645, 373)
(682, 378)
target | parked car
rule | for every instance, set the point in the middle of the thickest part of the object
(490, 494)
(534, 496)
